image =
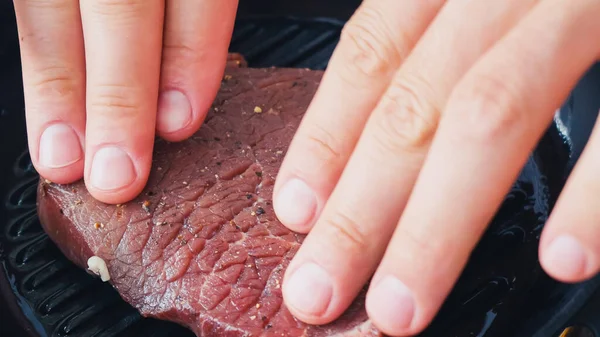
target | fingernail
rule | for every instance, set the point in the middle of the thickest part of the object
(566, 257)
(296, 203)
(112, 169)
(59, 146)
(309, 290)
(174, 111)
(391, 305)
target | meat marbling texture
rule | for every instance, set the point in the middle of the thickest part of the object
(201, 246)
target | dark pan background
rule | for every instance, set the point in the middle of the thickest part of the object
(20, 311)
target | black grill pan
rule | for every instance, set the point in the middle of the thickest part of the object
(502, 292)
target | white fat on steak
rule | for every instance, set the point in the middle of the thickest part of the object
(97, 266)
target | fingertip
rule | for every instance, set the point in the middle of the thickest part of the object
(176, 119)
(56, 151)
(115, 197)
(62, 176)
(307, 291)
(295, 205)
(392, 307)
(114, 175)
(565, 259)
(59, 154)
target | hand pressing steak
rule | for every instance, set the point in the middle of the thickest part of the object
(201, 246)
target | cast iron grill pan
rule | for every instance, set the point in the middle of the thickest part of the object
(48, 296)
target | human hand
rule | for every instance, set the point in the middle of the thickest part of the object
(424, 119)
(101, 76)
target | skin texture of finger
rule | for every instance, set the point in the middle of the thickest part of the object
(350, 237)
(196, 40)
(51, 43)
(373, 44)
(491, 123)
(123, 48)
(569, 249)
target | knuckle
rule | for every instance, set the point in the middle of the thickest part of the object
(422, 248)
(51, 4)
(117, 8)
(347, 232)
(487, 107)
(322, 145)
(406, 121)
(180, 53)
(55, 81)
(113, 99)
(369, 50)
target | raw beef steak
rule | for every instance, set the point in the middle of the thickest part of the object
(201, 246)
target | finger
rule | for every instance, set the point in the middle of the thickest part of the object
(196, 40)
(569, 249)
(372, 46)
(122, 47)
(51, 43)
(493, 119)
(349, 238)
